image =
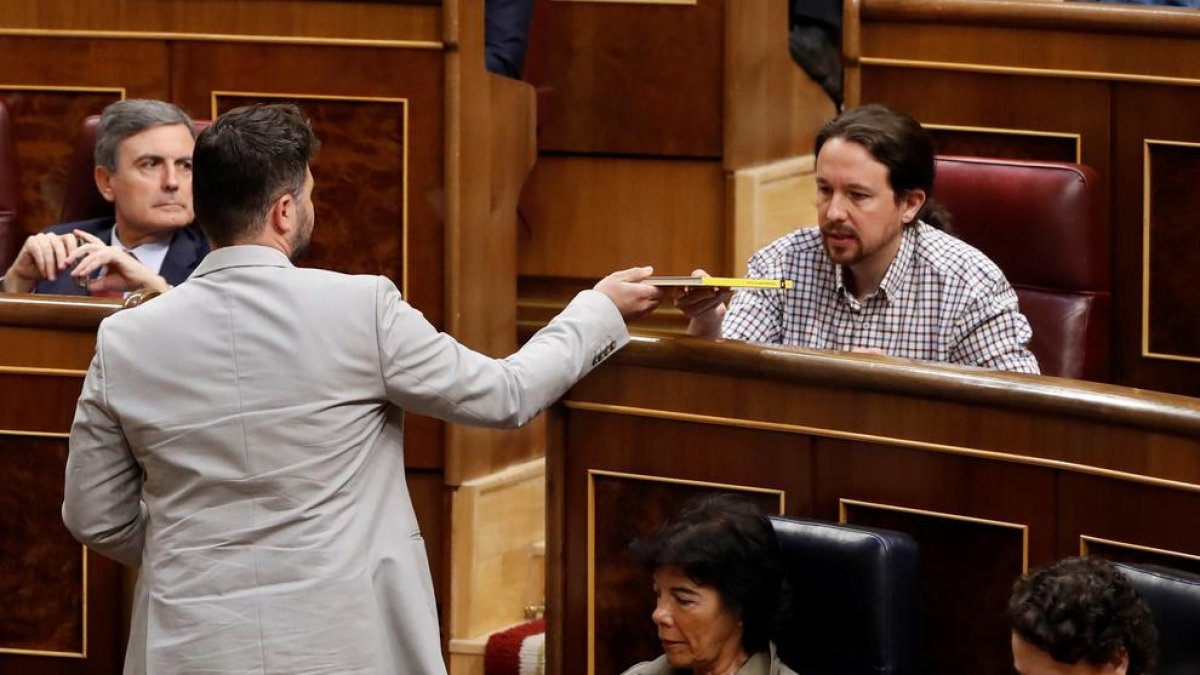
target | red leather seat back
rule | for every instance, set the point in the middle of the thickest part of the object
(1043, 224)
(81, 199)
(9, 236)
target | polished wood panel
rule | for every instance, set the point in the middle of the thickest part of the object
(228, 19)
(27, 412)
(1126, 512)
(772, 108)
(1010, 145)
(1138, 554)
(626, 83)
(588, 217)
(41, 577)
(49, 341)
(966, 572)
(1134, 42)
(1148, 113)
(498, 520)
(1173, 244)
(984, 103)
(940, 448)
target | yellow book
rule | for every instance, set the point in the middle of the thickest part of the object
(722, 282)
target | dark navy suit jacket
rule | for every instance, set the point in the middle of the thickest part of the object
(188, 247)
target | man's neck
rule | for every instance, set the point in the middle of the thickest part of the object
(864, 278)
(132, 237)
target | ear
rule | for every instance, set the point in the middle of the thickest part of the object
(104, 182)
(910, 205)
(283, 214)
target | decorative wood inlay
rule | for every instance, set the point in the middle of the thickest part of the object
(1138, 554)
(26, 409)
(46, 121)
(1006, 143)
(361, 177)
(43, 576)
(1171, 251)
(623, 508)
(961, 557)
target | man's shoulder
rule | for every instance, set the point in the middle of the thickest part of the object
(954, 258)
(92, 226)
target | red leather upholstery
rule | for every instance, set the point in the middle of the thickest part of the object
(1043, 224)
(9, 236)
(81, 199)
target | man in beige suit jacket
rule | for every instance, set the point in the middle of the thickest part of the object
(240, 437)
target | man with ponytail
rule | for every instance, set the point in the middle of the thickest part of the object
(880, 274)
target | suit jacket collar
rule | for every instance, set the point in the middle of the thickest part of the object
(188, 247)
(241, 256)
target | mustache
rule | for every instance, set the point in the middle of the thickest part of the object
(838, 230)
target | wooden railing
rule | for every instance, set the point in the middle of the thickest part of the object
(992, 473)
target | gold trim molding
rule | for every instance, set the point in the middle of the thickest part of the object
(220, 37)
(1147, 181)
(1086, 540)
(404, 105)
(919, 64)
(33, 434)
(1004, 131)
(55, 87)
(44, 372)
(844, 502)
(823, 432)
(591, 536)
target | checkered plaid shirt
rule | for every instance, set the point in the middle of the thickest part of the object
(940, 300)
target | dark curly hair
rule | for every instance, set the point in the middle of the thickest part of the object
(1084, 609)
(725, 542)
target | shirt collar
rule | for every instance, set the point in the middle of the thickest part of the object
(151, 254)
(241, 256)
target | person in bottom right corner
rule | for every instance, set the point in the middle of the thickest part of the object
(1080, 616)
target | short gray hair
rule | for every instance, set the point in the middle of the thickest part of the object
(127, 118)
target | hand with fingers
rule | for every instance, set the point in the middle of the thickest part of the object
(631, 297)
(42, 256)
(124, 272)
(704, 306)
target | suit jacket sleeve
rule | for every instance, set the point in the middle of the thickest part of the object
(102, 498)
(430, 373)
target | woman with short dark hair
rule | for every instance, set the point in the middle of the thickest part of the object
(719, 584)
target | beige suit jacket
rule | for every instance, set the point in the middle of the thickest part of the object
(240, 438)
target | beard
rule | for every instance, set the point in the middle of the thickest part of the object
(302, 237)
(846, 248)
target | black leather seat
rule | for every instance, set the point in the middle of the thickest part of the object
(1174, 598)
(857, 599)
